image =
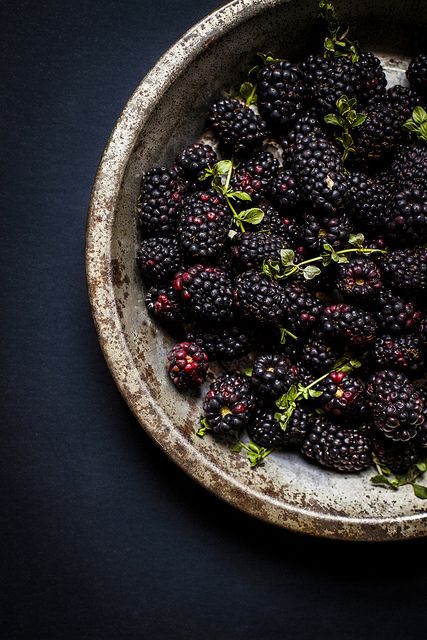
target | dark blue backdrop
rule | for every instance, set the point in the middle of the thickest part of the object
(103, 538)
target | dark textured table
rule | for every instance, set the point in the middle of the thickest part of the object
(103, 537)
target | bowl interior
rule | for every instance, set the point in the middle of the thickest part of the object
(287, 490)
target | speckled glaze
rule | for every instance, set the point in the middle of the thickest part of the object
(165, 112)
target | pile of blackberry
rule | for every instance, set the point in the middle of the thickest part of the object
(286, 252)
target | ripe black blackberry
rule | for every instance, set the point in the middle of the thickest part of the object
(281, 94)
(319, 171)
(223, 343)
(203, 226)
(284, 193)
(343, 394)
(158, 259)
(193, 160)
(368, 201)
(396, 315)
(251, 250)
(298, 427)
(354, 326)
(159, 203)
(277, 224)
(329, 79)
(270, 377)
(254, 175)
(403, 100)
(206, 292)
(229, 403)
(318, 354)
(409, 166)
(421, 438)
(164, 305)
(304, 307)
(407, 220)
(237, 127)
(318, 229)
(406, 269)
(402, 352)
(371, 76)
(265, 430)
(308, 123)
(187, 365)
(259, 298)
(359, 279)
(379, 134)
(417, 74)
(396, 405)
(335, 447)
(396, 456)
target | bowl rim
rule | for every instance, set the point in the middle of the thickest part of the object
(99, 274)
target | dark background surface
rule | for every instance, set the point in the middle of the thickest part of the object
(103, 537)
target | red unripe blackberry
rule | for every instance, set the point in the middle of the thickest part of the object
(187, 365)
(281, 94)
(203, 226)
(402, 352)
(355, 326)
(158, 259)
(359, 279)
(229, 403)
(237, 127)
(254, 175)
(343, 394)
(159, 204)
(164, 304)
(206, 292)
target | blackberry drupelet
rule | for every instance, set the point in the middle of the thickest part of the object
(317, 354)
(265, 430)
(318, 229)
(281, 94)
(335, 447)
(396, 315)
(397, 456)
(206, 292)
(343, 394)
(254, 175)
(259, 298)
(402, 352)
(270, 375)
(396, 405)
(359, 279)
(409, 166)
(229, 403)
(237, 127)
(406, 269)
(193, 160)
(329, 79)
(368, 201)
(159, 203)
(187, 365)
(284, 193)
(203, 226)
(408, 216)
(164, 304)
(417, 74)
(355, 326)
(223, 343)
(371, 76)
(253, 249)
(158, 259)
(304, 307)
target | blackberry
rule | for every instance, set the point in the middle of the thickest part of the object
(265, 430)
(164, 305)
(304, 307)
(406, 269)
(253, 249)
(159, 202)
(270, 377)
(259, 298)
(318, 355)
(203, 226)
(368, 201)
(193, 160)
(187, 365)
(421, 438)
(355, 326)
(237, 127)
(320, 173)
(408, 218)
(284, 193)
(254, 175)
(329, 79)
(398, 352)
(403, 100)
(273, 222)
(417, 74)
(158, 259)
(229, 403)
(331, 446)
(298, 374)
(223, 343)
(359, 279)
(298, 427)
(307, 124)
(343, 394)
(281, 94)
(371, 76)
(379, 134)
(396, 405)
(396, 315)
(409, 166)
(206, 293)
(397, 456)
(317, 230)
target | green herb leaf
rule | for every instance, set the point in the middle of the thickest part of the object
(360, 119)
(330, 118)
(248, 93)
(314, 393)
(222, 167)
(419, 115)
(356, 239)
(248, 371)
(420, 491)
(252, 216)
(379, 479)
(310, 272)
(236, 447)
(240, 195)
(201, 432)
(422, 466)
(287, 256)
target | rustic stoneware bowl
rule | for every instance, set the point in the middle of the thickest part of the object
(166, 111)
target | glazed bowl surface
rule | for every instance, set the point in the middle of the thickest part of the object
(168, 110)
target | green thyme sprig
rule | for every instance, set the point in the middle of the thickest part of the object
(220, 174)
(417, 123)
(346, 119)
(336, 44)
(386, 478)
(254, 453)
(287, 403)
(287, 267)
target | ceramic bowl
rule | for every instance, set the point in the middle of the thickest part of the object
(167, 111)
